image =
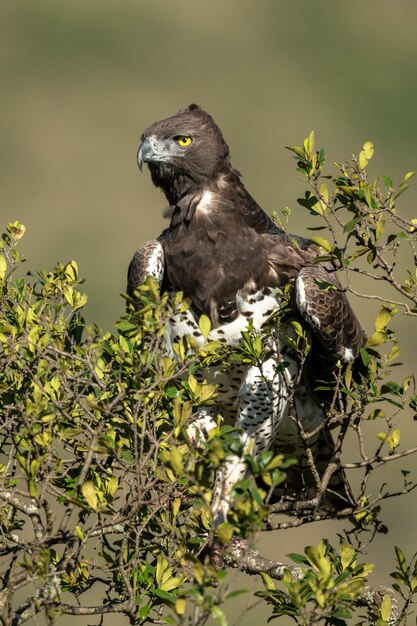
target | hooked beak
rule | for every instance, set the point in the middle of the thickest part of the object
(144, 152)
(153, 150)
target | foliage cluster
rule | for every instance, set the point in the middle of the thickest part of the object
(102, 493)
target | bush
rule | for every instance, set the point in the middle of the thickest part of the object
(100, 487)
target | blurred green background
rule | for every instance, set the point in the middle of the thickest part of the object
(81, 79)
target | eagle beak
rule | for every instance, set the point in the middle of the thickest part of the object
(144, 153)
(153, 150)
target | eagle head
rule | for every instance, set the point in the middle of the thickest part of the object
(187, 146)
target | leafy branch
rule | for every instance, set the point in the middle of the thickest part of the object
(102, 487)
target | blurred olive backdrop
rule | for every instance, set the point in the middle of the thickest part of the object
(81, 79)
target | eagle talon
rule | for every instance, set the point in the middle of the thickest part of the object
(237, 548)
(216, 554)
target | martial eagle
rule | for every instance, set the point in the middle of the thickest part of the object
(230, 259)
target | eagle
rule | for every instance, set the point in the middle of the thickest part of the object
(233, 263)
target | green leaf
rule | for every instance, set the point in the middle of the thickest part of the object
(376, 339)
(276, 461)
(297, 558)
(112, 485)
(366, 569)
(3, 266)
(89, 493)
(79, 533)
(180, 606)
(407, 177)
(311, 141)
(386, 608)
(401, 560)
(368, 195)
(318, 561)
(347, 555)
(342, 613)
(379, 228)
(144, 612)
(237, 592)
(170, 583)
(172, 392)
(358, 253)
(322, 243)
(124, 344)
(297, 327)
(404, 187)
(33, 488)
(219, 615)
(366, 154)
(322, 157)
(173, 457)
(298, 150)
(208, 392)
(383, 318)
(392, 440)
(392, 387)
(16, 230)
(204, 325)
(395, 437)
(193, 383)
(365, 356)
(225, 532)
(268, 582)
(349, 226)
(388, 181)
(348, 375)
(68, 292)
(164, 595)
(161, 567)
(71, 270)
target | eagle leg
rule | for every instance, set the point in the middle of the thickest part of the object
(263, 401)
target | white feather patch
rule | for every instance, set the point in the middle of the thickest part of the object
(301, 299)
(155, 265)
(348, 355)
(301, 293)
(205, 202)
(257, 306)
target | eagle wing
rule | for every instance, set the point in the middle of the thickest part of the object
(322, 302)
(148, 260)
(318, 295)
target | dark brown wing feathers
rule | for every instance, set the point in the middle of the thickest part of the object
(220, 241)
(322, 302)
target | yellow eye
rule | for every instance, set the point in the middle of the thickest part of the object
(184, 141)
